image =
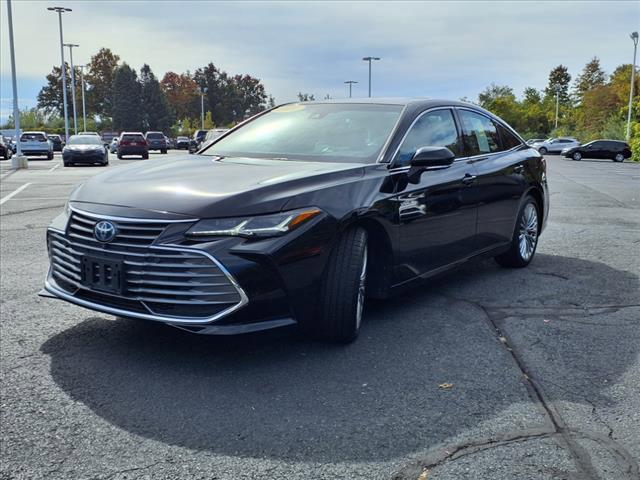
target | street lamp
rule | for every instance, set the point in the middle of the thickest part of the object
(18, 161)
(84, 111)
(203, 90)
(557, 88)
(370, 59)
(60, 11)
(73, 87)
(351, 82)
(634, 38)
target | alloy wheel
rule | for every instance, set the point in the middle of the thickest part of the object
(528, 236)
(362, 281)
(577, 156)
(619, 157)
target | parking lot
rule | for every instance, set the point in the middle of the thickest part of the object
(484, 373)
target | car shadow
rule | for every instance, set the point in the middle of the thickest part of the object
(275, 394)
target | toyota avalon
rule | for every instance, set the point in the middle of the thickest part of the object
(299, 215)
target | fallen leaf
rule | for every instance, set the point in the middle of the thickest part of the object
(445, 386)
(424, 475)
(546, 320)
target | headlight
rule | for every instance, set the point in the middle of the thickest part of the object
(254, 227)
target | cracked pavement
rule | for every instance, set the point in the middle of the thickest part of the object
(544, 364)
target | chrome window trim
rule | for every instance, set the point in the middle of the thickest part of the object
(127, 219)
(244, 299)
(429, 110)
(495, 120)
(383, 152)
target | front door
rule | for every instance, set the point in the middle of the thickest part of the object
(437, 213)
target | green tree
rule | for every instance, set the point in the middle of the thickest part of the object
(156, 114)
(592, 76)
(99, 78)
(306, 97)
(50, 98)
(127, 104)
(559, 77)
(531, 96)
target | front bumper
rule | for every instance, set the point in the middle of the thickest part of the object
(133, 151)
(84, 157)
(267, 283)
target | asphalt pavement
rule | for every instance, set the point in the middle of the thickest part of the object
(483, 373)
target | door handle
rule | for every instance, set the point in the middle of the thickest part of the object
(518, 169)
(468, 179)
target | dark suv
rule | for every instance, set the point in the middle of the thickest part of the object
(58, 143)
(615, 150)
(157, 141)
(133, 143)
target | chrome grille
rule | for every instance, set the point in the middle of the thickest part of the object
(163, 281)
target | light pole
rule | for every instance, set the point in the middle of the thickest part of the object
(634, 37)
(203, 90)
(73, 86)
(18, 161)
(84, 108)
(60, 11)
(370, 59)
(557, 88)
(351, 82)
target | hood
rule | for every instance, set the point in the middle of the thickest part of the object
(206, 187)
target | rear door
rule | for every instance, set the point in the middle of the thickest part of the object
(437, 214)
(499, 159)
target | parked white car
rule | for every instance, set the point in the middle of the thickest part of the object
(36, 144)
(555, 145)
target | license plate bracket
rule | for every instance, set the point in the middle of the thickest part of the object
(103, 274)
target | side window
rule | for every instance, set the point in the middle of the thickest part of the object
(434, 129)
(480, 133)
(509, 140)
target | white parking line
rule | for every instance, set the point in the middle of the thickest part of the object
(14, 193)
(53, 168)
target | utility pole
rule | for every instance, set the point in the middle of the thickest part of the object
(370, 59)
(84, 111)
(17, 161)
(60, 10)
(73, 87)
(203, 90)
(634, 37)
(351, 82)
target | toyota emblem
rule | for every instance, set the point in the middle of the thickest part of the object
(104, 231)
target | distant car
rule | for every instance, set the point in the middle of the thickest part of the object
(531, 141)
(133, 143)
(169, 142)
(615, 150)
(182, 143)
(212, 135)
(86, 149)
(555, 145)
(156, 141)
(58, 143)
(11, 142)
(5, 149)
(36, 144)
(196, 140)
(113, 147)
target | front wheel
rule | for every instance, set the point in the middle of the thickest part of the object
(618, 158)
(50, 156)
(525, 237)
(577, 156)
(543, 151)
(342, 294)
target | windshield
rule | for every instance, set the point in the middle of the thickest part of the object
(154, 136)
(330, 132)
(84, 140)
(37, 137)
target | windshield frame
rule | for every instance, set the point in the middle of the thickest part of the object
(379, 158)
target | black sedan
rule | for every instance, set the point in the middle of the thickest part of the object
(85, 149)
(58, 143)
(615, 150)
(299, 214)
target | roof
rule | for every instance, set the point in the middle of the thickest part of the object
(416, 101)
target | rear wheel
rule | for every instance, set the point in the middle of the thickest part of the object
(119, 156)
(50, 156)
(343, 289)
(145, 156)
(525, 236)
(577, 156)
(619, 157)
(163, 151)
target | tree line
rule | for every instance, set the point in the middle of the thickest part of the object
(119, 98)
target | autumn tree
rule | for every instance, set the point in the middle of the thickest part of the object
(99, 78)
(127, 103)
(181, 92)
(592, 76)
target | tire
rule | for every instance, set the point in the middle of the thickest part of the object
(50, 156)
(577, 156)
(342, 292)
(619, 157)
(68, 164)
(525, 236)
(163, 151)
(145, 156)
(119, 156)
(543, 151)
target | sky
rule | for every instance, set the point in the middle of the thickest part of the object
(427, 49)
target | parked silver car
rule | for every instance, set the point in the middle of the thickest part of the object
(555, 145)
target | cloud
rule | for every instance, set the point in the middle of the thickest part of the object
(450, 49)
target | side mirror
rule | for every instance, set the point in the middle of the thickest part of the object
(432, 157)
